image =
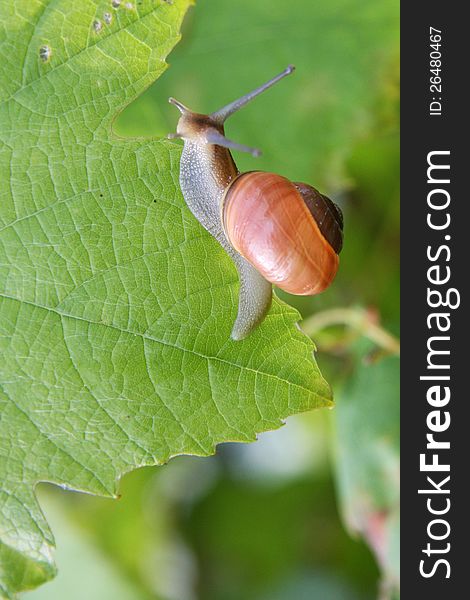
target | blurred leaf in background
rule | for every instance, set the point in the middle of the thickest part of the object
(261, 521)
(367, 441)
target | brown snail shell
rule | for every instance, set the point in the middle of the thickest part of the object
(288, 231)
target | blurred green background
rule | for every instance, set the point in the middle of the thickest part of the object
(311, 510)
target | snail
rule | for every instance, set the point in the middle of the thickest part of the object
(275, 231)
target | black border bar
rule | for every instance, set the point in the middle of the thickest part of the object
(425, 537)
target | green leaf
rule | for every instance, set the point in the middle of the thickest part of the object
(116, 306)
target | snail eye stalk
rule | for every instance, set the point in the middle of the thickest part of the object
(221, 115)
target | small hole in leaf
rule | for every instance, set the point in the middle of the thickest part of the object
(116, 3)
(107, 18)
(97, 25)
(45, 53)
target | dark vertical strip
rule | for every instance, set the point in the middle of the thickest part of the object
(435, 255)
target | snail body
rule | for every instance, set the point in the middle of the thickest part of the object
(274, 230)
